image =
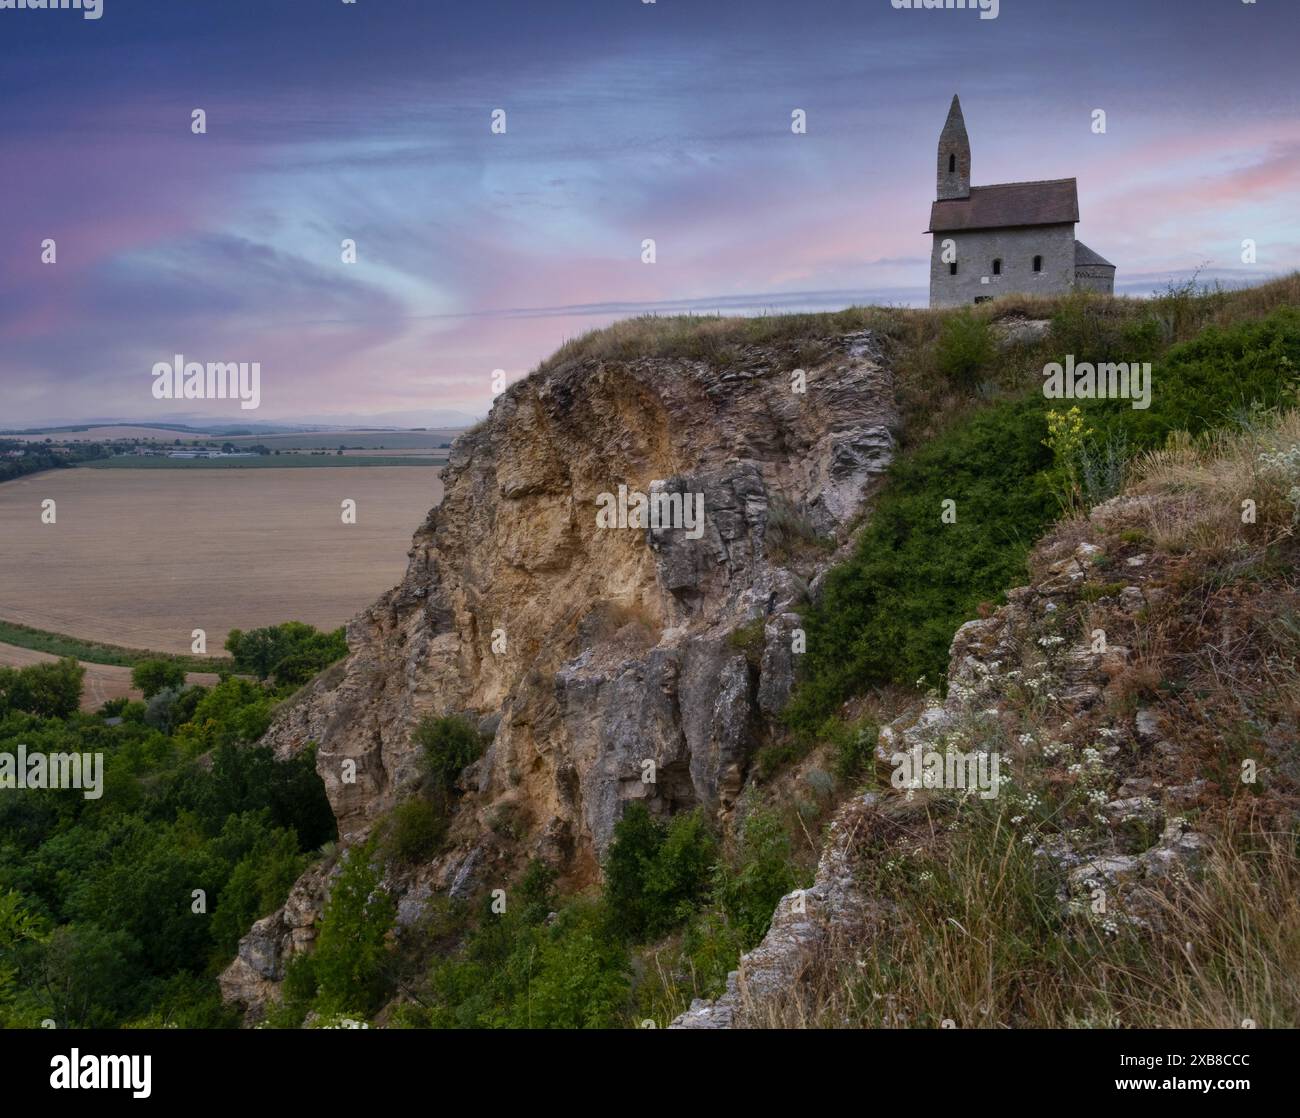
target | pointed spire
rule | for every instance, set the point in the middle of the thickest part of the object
(953, 177)
(955, 125)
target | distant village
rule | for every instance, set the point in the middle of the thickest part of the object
(145, 450)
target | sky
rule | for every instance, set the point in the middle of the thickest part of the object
(625, 121)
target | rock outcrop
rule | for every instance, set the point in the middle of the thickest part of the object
(1132, 844)
(596, 656)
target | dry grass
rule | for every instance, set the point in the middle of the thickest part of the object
(1199, 486)
(970, 927)
(1188, 309)
(926, 400)
(975, 938)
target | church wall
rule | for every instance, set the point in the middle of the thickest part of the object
(1095, 277)
(1017, 248)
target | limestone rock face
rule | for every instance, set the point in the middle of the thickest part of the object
(615, 640)
(601, 655)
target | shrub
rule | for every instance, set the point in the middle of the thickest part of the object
(292, 652)
(889, 613)
(352, 951)
(412, 832)
(160, 710)
(748, 888)
(790, 531)
(46, 690)
(965, 349)
(748, 639)
(152, 676)
(855, 750)
(447, 746)
(258, 884)
(656, 873)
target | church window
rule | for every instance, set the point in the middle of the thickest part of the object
(952, 164)
(997, 267)
(1038, 263)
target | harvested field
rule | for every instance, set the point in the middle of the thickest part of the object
(142, 557)
(102, 681)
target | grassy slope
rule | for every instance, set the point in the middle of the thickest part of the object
(977, 933)
(94, 652)
(954, 434)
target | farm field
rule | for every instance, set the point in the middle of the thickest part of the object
(102, 681)
(142, 557)
(290, 460)
(365, 440)
(431, 439)
(104, 434)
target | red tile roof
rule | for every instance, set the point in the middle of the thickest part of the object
(1052, 202)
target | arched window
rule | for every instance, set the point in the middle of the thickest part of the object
(1038, 263)
(952, 164)
(952, 268)
(997, 267)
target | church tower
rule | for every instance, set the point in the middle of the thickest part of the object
(954, 156)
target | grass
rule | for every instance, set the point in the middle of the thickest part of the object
(975, 936)
(889, 613)
(912, 337)
(94, 652)
(968, 924)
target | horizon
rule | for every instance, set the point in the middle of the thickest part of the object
(477, 252)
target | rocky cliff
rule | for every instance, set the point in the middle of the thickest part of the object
(1063, 683)
(588, 651)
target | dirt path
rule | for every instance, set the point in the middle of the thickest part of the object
(102, 682)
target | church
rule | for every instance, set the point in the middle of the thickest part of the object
(1015, 237)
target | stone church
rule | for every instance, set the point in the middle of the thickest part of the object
(1013, 237)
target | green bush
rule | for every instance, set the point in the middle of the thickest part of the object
(412, 832)
(447, 746)
(120, 941)
(656, 873)
(258, 884)
(152, 676)
(292, 652)
(351, 960)
(889, 613)
(965, 349)
(520, 970)
(748, 888)
(855, 750)
(45, 690)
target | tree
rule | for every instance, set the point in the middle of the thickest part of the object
(655, 874)
(352, 948)
(47, 690)
(292, 652)
(88, 975)
(152, 676)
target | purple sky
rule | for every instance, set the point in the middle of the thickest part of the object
(626, 121)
